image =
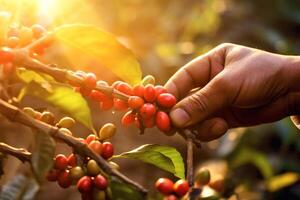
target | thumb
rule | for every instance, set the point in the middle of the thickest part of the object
(200, 105)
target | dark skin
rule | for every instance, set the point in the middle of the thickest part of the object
(237, 86)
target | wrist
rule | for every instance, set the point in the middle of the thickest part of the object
(292, 72)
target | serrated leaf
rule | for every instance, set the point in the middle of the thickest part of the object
(66, 99)
(100, 49)
(42, 156)
(29, 76)
(164, 157)
(20, 188)
(121, 191)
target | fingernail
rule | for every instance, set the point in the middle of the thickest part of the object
(179, 117)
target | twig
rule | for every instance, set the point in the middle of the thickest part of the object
(15, 114)
(20, 153)
(189, 162)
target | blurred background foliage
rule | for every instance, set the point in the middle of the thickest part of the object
(261, 162)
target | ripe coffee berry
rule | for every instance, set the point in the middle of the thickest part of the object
(135, 102)
(97, 96)
(181, 187)
(149, 123)
(37, 30)
(64, 179)
(164, 186)
(90, 81)
(6, 55)
(163, 122)
(100, 182)
(107, 150)
(159, 90)
(166, 100)
(85, 184)
(72, 160)
(170, 197)
(90, 138)
(138, 90)
(124, 88)
(96, 146)
(147, 111)
(128, 118)
(60, 162)
(106, 104)
(120, 105)
(52, 175)
(149, 93)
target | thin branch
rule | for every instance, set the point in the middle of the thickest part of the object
(189, 162)
(20, 153)
(17, 115)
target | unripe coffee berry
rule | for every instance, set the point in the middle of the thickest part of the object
(107, 131)
(147, 111)
(72, 160)
(181, 187)
(29, 111)
(96, 146)
(166, 100)
(128, 118)
(47, 117)
(66, 122)
(119, 104)
(64, 179)
(164, 186)
(6, 55)
(98, 195)
(114, 165)
(135, 102)
(107, 150)
(93, 168)
(85, 184)
(149, 79)
(60, 162)
(163, 121)
(90, 138)
(100, 182)
(202, 177)
(149, 93)
(76, 173)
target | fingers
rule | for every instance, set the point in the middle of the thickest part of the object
(296, 120)
(197, 73)
(200, 105)
(211, 129)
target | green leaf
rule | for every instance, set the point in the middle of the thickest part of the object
(248, 155)
(42, 157)
(280, 181)
(29, 76)
(121, 191)
(65, 98)
(98, 49)
(164, 157)
(20, 188)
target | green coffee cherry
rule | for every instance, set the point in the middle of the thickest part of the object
(98, 195)
(66, 122)
(114, 165)
(93, 168)
(107, 131)
(202, 177)
(29, 111)
(76, 173)
(149, 79)
(47, 117)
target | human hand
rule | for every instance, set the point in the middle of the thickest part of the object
(239, 86)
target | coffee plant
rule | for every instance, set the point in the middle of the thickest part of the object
(91, 167)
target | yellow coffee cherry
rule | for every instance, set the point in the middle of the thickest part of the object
(66, 122)
(29, 111)
(25, 36)
(93, 168)
(149, 79)
(98, 195)
(107, 131)
(114, 165)
(65, 131)
(47, 117)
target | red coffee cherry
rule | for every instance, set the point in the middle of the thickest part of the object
(170, 197)
(163, 121)
(97, 96)
(149, 123)
(90, 138)
(120, 105)
(181, 187)
(128, 118)
(61, 162)
(64, 179)
(96, 146)
(138, 90)
(72, 160)
(106, 104)
(164, 186)
(6, 55)
(84, 91)
(52, 175)
(147, 111)
(115, 84)
(149, 93)
(135, 102)
(124, 88)
(37, 30)
(166, 100)
(85, 184)
(107, 150)
(90, 81)
(100, 182)
(160, 90)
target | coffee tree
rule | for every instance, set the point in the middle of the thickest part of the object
(90, 167)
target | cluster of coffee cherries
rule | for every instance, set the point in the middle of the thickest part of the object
(19, 37)
(171, 190)
(85, 173)
(147, 105)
